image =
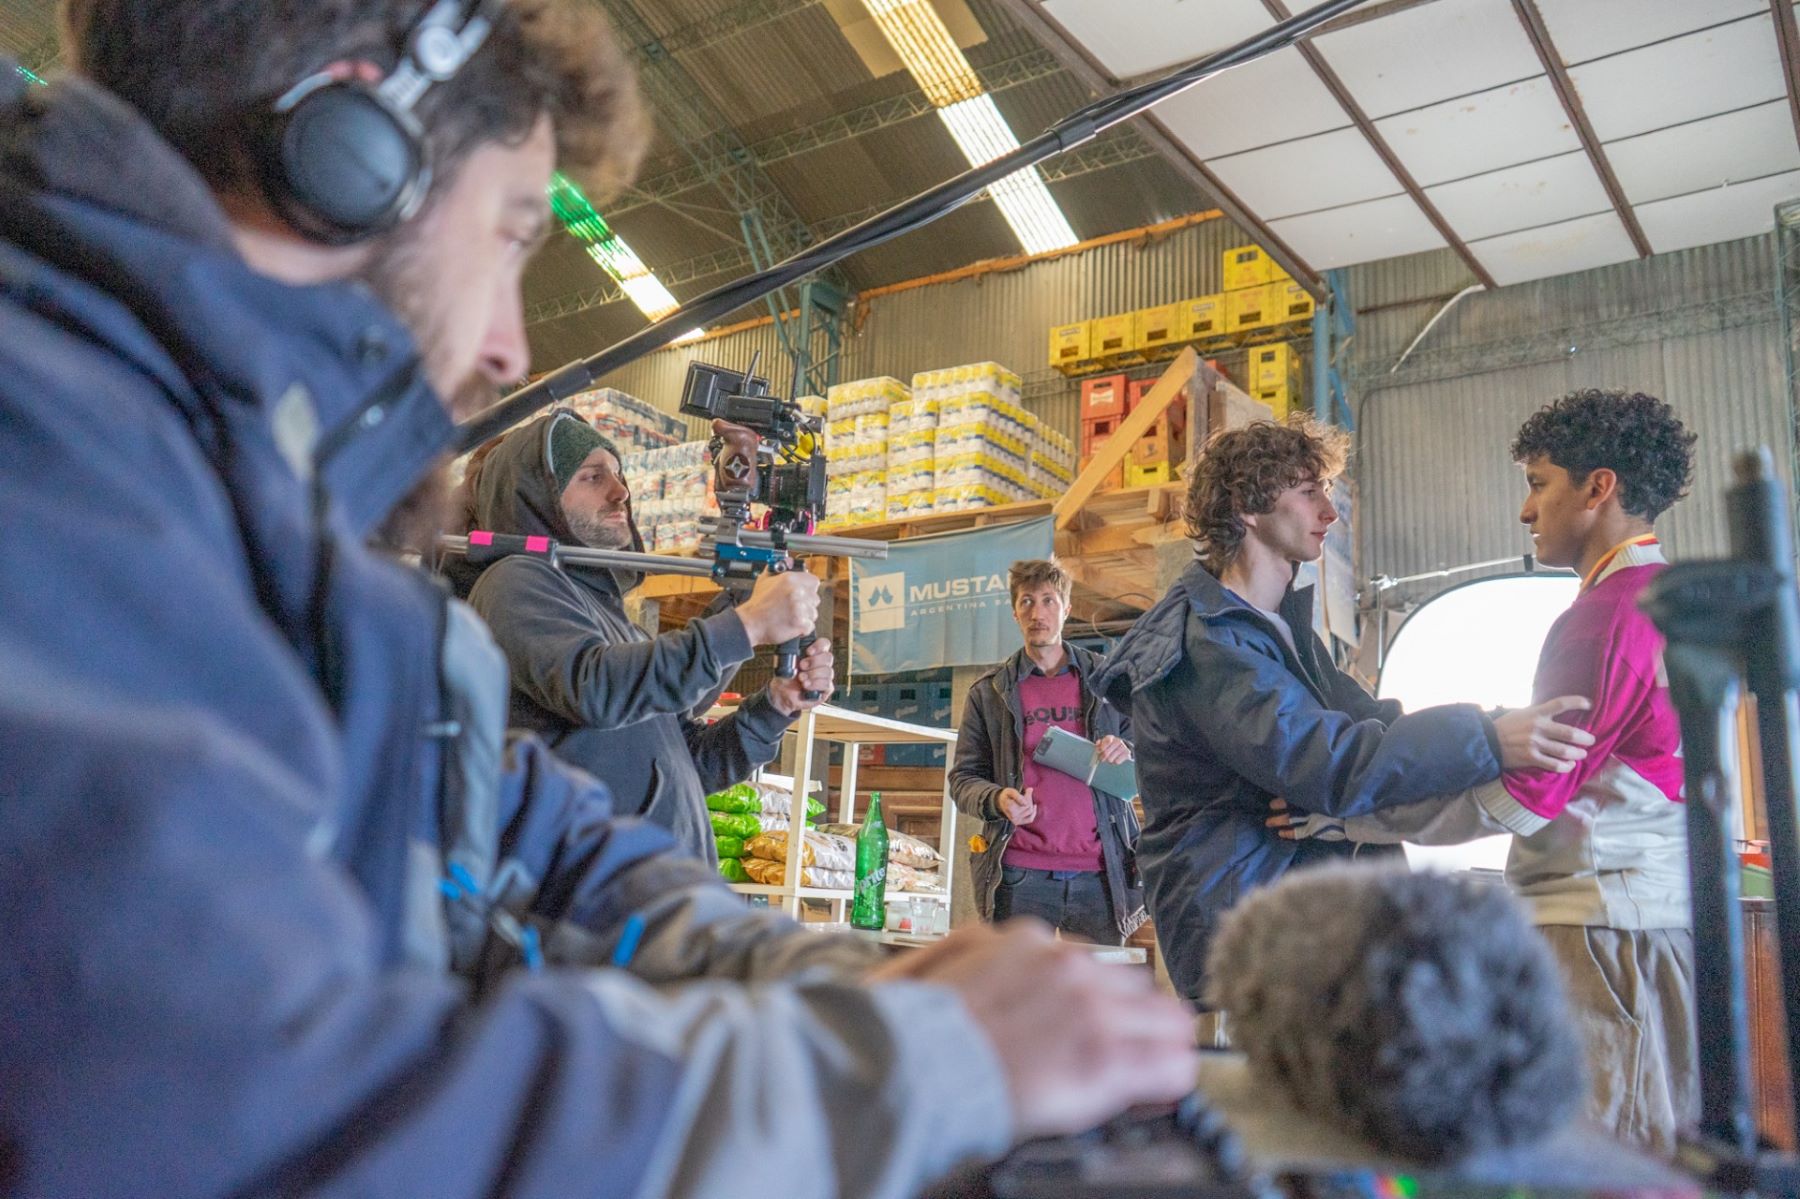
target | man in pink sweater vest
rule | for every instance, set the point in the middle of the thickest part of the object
(1599, 853)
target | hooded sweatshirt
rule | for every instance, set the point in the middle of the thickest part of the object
(229, 969)
(606, 695)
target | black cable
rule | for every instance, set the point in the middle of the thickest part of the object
(1079, 126)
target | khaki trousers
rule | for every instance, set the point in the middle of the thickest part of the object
(1633, 995)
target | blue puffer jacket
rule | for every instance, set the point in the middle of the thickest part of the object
(1226, 718)
(226, 801)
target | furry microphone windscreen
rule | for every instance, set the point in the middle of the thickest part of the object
(1420, 1012)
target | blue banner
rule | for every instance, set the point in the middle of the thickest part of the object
(941, 600)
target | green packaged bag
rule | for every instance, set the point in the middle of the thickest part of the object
(742, 797)
(732, 871)
(735, 824)
(730, 847)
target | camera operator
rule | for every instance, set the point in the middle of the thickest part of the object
(606, 695)
(229, 737)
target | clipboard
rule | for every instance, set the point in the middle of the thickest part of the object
(1077, 757)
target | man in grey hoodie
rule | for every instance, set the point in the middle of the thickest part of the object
(623, 705)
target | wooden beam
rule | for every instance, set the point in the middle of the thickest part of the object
(1385, 152)
(1119, 444)
(1114, 539)
(1787, 39)
(1539, 33)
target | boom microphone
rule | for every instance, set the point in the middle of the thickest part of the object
(1419, 1012)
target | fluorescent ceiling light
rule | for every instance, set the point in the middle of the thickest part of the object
(983, 135)
(1028, 207)
(587, 226)
(917, 34)
(648, 293)
(919, 37)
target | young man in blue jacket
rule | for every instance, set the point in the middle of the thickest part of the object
(1234, 700)
(273, 897)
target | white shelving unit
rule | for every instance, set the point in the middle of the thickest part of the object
(851, 730)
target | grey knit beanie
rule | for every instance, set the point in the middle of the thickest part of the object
(567, 445)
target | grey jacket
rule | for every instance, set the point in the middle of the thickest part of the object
(989, 758)
(607, 696)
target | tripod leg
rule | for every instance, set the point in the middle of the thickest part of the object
(1701, 684)
(1758, 518)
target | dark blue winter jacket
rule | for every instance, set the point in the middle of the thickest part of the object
(237, 751)
(1226, 718)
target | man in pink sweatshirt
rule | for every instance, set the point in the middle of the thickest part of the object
(1599, 853)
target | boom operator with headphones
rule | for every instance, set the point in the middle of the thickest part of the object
(343, 159)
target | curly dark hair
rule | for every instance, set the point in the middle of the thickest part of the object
(1245, 470)
(1636, 436)
(554, 58)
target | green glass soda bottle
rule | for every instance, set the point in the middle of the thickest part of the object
(868, 905)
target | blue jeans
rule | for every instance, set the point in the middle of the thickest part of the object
(1074, 901)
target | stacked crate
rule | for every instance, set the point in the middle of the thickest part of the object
(1163, 446)
(1103, 407)
(1259, 294)
(1274, 378)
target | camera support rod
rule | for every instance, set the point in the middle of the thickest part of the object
(1080, 126)
(484, 546)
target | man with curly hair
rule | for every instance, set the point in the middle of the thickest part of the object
(1235, 701)
(1599, 852)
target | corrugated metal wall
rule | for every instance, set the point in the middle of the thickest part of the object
(1438, 489)
(1698, 328)
(1002, 317)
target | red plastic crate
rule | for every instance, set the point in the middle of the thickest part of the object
(1103, 395)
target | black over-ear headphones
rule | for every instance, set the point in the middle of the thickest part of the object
(342, 159)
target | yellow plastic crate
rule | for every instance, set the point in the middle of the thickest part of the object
(1271, 366)
(1202, 317)
(1145, 476)
(1069, 344)
(1247, 266)
(1249, 308)
(1281, 400)
(1292, 303)
(1110, 336)
(1156, 328)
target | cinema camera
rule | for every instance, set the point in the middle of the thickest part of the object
(766, 452)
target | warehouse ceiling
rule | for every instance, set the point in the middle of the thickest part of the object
(796, 102)
(1534, 137)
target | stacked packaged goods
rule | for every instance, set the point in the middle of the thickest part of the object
(1052, 463)
(736, 819)
(959, 438)
(826, 859)
(742, 814)
(912, 454)
(982, 447)
(856, 448)
(671, 494)
(631, 423)
(913, 865)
